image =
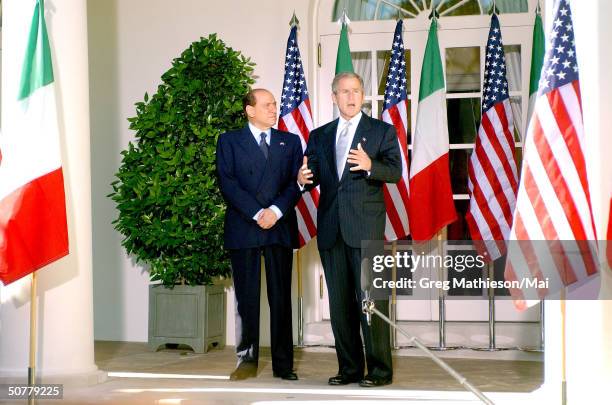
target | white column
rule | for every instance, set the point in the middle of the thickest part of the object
(65, 306)
(588, 323)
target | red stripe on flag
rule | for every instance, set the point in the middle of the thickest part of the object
(609, 237)
(558, 182)
(495, 142)
(303, 210)
(299, 121)
(399, 127)
(494, 182)
(569, 135)
(35, 233)
(396, 223)
(500, 109)
(482, 203)
(563, 267)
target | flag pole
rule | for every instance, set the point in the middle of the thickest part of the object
(393, 306)
(563, 350)
(441, 234)
(300, 292)
(33, 333)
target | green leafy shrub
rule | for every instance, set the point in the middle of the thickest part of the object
(170, 209)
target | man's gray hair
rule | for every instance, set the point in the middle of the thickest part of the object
(345, 75)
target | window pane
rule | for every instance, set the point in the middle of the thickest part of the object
(383, 58)
(390, 9)
(517, 114)
(506, 6)
(362, 63)
(458, 160)
(513, 66)
(463, 70)
(367, 107)
(458, 230)
(469, 7)
(463, 119)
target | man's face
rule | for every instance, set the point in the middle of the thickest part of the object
(263, 113)
(348, 97)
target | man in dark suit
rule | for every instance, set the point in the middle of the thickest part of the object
(351, 158)
(257, 166)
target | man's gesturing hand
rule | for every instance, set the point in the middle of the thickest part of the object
(305, 174)
(267, 219)
(359, 158)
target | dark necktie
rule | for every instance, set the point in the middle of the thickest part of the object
(263, 145)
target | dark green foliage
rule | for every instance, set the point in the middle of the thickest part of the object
(170, 209)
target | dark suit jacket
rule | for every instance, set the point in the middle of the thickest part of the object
(249, 183)
(353, 205)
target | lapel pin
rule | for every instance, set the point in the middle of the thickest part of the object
(363, 140)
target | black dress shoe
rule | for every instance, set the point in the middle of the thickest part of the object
(341, 379)
(289, 375)
(244, 371)
(371, 381)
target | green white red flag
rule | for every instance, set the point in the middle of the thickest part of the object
(431, 196)
(33, 229)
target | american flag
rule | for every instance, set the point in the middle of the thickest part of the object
(492, 173)
(553, 201)
(296, 117)
(395, 112)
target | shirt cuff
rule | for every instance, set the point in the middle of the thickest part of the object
(278, 212)
(257, 215)
(300, 186)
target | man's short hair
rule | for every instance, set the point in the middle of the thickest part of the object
(345, 75)
(249, 99)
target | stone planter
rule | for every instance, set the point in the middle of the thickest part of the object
(189, 315)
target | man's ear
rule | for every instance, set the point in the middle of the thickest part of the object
(250, 110)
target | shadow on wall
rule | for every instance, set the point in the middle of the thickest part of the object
(108, 280)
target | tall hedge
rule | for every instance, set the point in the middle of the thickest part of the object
(170, 209)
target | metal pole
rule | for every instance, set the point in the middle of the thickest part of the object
(369, 308)
(33, 336)
(33, 333)
(300, 303)
(563, 350)
(491, 311)
(393, 304)
(542, 326)
(491, 294)
(441, 306)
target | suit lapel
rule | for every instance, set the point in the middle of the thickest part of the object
(329, 146)
(277, 146)
(251, 149)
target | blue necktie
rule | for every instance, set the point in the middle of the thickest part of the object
(263, 145)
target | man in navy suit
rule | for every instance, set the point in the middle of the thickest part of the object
(351, 158)
(257, 167)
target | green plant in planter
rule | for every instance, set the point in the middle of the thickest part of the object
(170, 209)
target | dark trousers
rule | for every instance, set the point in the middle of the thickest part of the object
(342, 269)
(246, 271)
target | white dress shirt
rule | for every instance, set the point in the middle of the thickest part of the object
(257, 135)
(351, 134)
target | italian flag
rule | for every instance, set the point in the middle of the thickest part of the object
(33, 231)
(431, 196)
(537, 60)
